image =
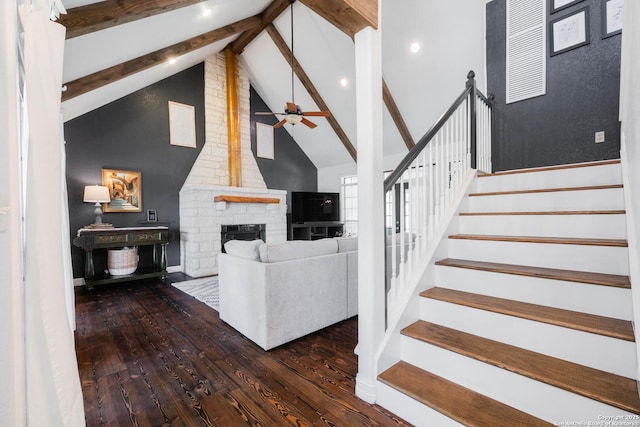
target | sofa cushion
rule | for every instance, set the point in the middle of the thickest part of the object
(296, 249)
(244, 248)
(347, 244)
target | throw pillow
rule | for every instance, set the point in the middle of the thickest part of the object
(244, 248)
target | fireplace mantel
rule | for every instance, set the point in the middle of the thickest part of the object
(245, 199)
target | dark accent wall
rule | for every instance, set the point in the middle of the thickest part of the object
(132, 133)
(290, 168)
(582, 97)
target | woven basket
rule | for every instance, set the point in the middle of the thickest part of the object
(121, 262)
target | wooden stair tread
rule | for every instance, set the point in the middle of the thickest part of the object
(606, 326)
(551, 168)
(605, 387)
(600, 212)
(602, 279)
(546, 190)
(459, 403)
(536, 239)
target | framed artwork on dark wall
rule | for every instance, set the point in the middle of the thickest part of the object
(611, 17)
(569, 32)
(556, 5)
(125, 190)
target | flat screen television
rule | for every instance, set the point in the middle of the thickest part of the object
(314, 207)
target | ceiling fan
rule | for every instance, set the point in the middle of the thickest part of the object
(292, 112)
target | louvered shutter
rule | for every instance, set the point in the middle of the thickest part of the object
(526, 49)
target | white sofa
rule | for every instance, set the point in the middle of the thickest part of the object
(274, 293)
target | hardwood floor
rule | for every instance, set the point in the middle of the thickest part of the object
(150, 355)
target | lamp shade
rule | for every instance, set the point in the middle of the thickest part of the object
(96, 194)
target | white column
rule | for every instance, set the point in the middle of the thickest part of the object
(12, 352)
(371, 311)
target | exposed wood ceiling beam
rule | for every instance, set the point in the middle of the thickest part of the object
(396, 116)
(268, 16)
(109, 13)
(306, 82)
(125, 69)
(350, 16)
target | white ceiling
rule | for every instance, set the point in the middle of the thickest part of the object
(423, 84)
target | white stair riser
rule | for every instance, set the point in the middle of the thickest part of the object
(412, 411)
(600, 259)
(541, 400)
(586, 226)
(594, 299)
(604, 353)
(574, 177)
(584, 200)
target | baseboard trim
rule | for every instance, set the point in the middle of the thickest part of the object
(174, 269)
(78, 281)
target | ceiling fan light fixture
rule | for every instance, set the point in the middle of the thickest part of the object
(293, 119)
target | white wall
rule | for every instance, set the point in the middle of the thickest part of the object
(424, 84)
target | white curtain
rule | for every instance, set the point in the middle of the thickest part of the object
(54, 396)
(12, 391)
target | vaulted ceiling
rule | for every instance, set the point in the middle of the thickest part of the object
(115, 47)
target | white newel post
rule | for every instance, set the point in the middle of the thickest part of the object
(370, 209)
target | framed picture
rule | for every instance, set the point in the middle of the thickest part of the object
(125, 190)
(152, 215)
(569, 32)
(264, 141)
(556, 5)
(611, 17)
(182, 124)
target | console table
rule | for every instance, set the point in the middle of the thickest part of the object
(90, 239)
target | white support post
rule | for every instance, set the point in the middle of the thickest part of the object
(371, 283)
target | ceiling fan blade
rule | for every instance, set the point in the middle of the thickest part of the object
(291, 107)
(317, 113)
(264, 113)
(308, 123)
(280, 123)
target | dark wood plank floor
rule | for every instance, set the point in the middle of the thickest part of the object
(150, 355)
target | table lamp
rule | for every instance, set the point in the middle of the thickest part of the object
(97, 194)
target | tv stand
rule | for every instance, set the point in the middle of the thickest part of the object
(315, 230)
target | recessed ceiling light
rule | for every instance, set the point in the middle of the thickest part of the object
(206, 11)
(172, 61)
(344, 82)
(415, 47)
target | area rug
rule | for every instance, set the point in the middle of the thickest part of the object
(204, 289)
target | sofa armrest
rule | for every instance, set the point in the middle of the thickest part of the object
(274, 303)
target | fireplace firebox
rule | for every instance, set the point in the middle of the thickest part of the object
(242, 232)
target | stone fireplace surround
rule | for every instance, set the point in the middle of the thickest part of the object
(201, 219)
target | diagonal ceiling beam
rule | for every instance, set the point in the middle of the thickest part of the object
(93, 81)
(109, 13)
(396, 116)
(350, 16)
(306, 82)
(268, 16)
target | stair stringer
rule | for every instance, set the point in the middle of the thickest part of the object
(634, 253)
(408, 301)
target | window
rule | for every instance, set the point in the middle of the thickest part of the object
(349, 190)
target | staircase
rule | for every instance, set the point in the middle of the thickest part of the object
(529, 319)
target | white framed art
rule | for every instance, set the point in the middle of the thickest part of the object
(264, 141)
(182, 124)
